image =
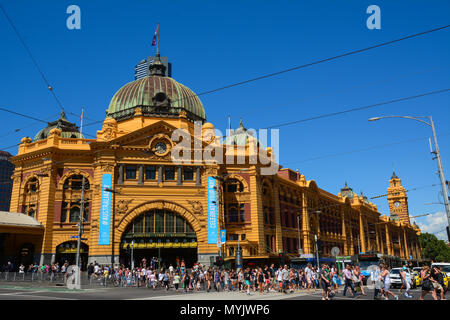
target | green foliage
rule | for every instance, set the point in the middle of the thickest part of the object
(434, 249)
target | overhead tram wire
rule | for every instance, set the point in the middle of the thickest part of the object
(326, 115)
(269, 75)
(359, 150)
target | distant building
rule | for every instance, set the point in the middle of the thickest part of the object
(6, 171)
(142, 69)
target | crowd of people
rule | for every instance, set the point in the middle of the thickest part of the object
(267, 279)
(258, 280)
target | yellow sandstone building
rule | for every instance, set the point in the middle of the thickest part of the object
(135, 193)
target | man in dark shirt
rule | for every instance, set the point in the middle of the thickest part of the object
(247, 277)
(437, 280)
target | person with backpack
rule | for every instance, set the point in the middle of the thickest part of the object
(427, 285)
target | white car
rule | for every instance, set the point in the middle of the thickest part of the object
(396, 278)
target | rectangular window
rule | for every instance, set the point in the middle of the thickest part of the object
(170, 222)
(233, 237)
(188, 173)
(159, 221)
(180, 224)
(149, 222)
(130, 173)
(169, 173)
(242, 212)
(150, 173)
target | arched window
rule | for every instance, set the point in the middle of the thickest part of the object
(71, 201)
(234, 185)
(31, 198)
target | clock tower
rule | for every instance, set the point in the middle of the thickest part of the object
(398, 200)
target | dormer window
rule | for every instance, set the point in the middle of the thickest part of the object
(161, 100)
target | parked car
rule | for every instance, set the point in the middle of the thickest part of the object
(417, 277)
(396, 280)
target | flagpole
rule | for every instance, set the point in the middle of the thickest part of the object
(81, 127)
(157, 41)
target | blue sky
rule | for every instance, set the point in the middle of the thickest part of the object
(212, 44)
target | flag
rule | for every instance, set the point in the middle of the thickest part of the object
(81, 120)
(154, 37)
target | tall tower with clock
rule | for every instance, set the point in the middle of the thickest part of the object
(398, 200)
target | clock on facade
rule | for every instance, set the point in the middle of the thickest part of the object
(397, 204)
(160, 148)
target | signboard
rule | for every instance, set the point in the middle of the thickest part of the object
(162, 245)
(213, 230)
(104, 233)
(223, 236)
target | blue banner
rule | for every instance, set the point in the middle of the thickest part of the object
(104, 233)
(223, 236)
(213, 230)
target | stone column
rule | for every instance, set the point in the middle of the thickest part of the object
(179, 176)
(120, 179)
(362, 237)
(400, 243)
(388, 240)
(406, 245)
(276, 207)
(257, 218)
(141, 174)
(344, 235)
(160, 174)
(198, 177)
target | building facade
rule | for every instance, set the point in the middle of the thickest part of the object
(133, 194)
(6, 171)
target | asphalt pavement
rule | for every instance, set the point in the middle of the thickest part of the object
(24, 292)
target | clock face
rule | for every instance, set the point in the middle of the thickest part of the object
(397, 204)
(160, 147)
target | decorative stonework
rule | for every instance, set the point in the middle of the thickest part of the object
(211, 171)
(197, 207)
(122, 206)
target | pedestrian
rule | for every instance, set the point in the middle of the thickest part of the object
(308, 273)
(325, 282)
(375, 276)
(247, 280)
(406, 281)
(358, 280)
(285, 278)
(260, 281)
(176, 281)
(438, 282)
(348, 280)
(387, 283)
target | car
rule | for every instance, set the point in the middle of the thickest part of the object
(417, 278)
(396, 279)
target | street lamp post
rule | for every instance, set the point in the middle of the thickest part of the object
(80, 223)
(438, 157)
(299, 241)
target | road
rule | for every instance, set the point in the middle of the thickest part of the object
(15, 292)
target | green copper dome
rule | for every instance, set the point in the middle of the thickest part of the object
(68, 129)
(156, 95)
(240, 136)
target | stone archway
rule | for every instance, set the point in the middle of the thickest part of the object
(121, 228)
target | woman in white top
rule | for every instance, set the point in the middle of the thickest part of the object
(387, 283)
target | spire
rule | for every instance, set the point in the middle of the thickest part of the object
(157, 68)
(394, 176)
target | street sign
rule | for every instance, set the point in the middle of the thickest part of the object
(300, 251)
(76, 237)
(223, 236)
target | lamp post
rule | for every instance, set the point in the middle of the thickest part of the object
(299, 241)
(80, 223)
(316, 237)
(438, 157)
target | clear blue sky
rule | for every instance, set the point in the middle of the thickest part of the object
(212, 44)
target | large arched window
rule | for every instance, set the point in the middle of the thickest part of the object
(31, 198)
(71, 203)
(157, 223)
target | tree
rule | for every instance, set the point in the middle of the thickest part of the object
(434, 249)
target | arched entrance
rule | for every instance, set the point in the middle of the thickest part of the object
(67, 251)
(159, 233)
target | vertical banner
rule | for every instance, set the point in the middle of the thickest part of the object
(104, 233)
(213, 230)
(223, 236)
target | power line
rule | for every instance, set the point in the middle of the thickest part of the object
(359, 108)
(49, 87)
(318, 62)
(359, 150)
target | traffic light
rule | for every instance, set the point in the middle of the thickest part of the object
(281, 256)
(219, 261)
